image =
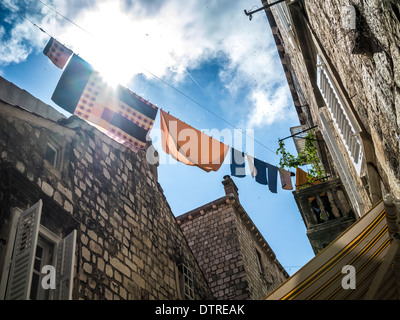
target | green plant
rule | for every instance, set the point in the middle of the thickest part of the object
(308, 156)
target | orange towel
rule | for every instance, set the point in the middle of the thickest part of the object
(189, 145)
(302, 180)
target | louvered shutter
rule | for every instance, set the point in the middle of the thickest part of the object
(65, 266)
(20, 279)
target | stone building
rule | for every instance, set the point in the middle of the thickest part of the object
(74, 199)
(340, 61)
(235, 258)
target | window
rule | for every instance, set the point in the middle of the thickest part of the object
(186, 282)
(345, 123)
(260, 264)
(51, 154)
(32, 246)
(43, 256)
(284, 16)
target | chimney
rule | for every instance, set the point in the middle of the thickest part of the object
(230, 187)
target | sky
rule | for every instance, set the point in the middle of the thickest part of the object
(203, 61)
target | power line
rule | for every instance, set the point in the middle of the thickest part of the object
(75, 24)
(204, 107)
(23, 16)
(158, 78)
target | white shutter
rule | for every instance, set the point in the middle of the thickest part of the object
(20, 279)
(345, 122)
(343, 171)
(65, 266)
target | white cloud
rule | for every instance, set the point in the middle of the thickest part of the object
(270, 107)
(18, 36)
(168, 38)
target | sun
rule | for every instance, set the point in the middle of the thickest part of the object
(109, 45)
(121, 44)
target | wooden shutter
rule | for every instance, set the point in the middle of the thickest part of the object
(340, 163)
(65, 266)
(20, 279)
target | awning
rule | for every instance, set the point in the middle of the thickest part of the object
(369, 247)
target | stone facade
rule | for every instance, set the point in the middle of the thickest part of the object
(128, 245)
(236, 260)
(316, 40)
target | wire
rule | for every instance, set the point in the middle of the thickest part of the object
(204, 107)
(75, 24)
(158, 78)
(23, 16)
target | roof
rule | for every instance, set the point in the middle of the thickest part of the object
(370, 245)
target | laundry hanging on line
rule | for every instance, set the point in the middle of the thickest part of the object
(286, 179)
(237, 163)
(57, 53)
(189, 145)
(123, 115)
(272, 178)
(128, 118)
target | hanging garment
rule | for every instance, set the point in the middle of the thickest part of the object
(189, 145)
(302, 179)
(272, 178)
(237, 163)
(251, 166)
(57, 53)
(261, 167)
(286, 179)
(123, 115)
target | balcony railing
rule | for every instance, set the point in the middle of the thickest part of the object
(323, 202)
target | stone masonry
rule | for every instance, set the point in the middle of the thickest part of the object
(236, 260)
(363, 63)
(129, 245)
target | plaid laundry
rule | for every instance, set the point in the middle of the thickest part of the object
(125, 116)
(57, 53)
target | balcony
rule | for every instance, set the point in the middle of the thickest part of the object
(326, 211)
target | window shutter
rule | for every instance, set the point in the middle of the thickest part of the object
(344, 121)
(20, 279)
(344, 173)
(65, 266)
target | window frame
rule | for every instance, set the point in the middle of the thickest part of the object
(64, 268)
(56, 154)
(48, 258)
(260, 262)
(186, 282)
(282, 11)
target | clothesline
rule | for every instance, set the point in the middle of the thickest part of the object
(128, 119)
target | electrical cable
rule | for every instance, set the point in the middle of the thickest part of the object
(75, 24)
(158, 78)
(23, 16)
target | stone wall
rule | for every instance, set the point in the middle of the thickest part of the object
(217, 249)
(263, 270)
(372, 79)
(129, 244)
(363, 63)
(225, 243)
